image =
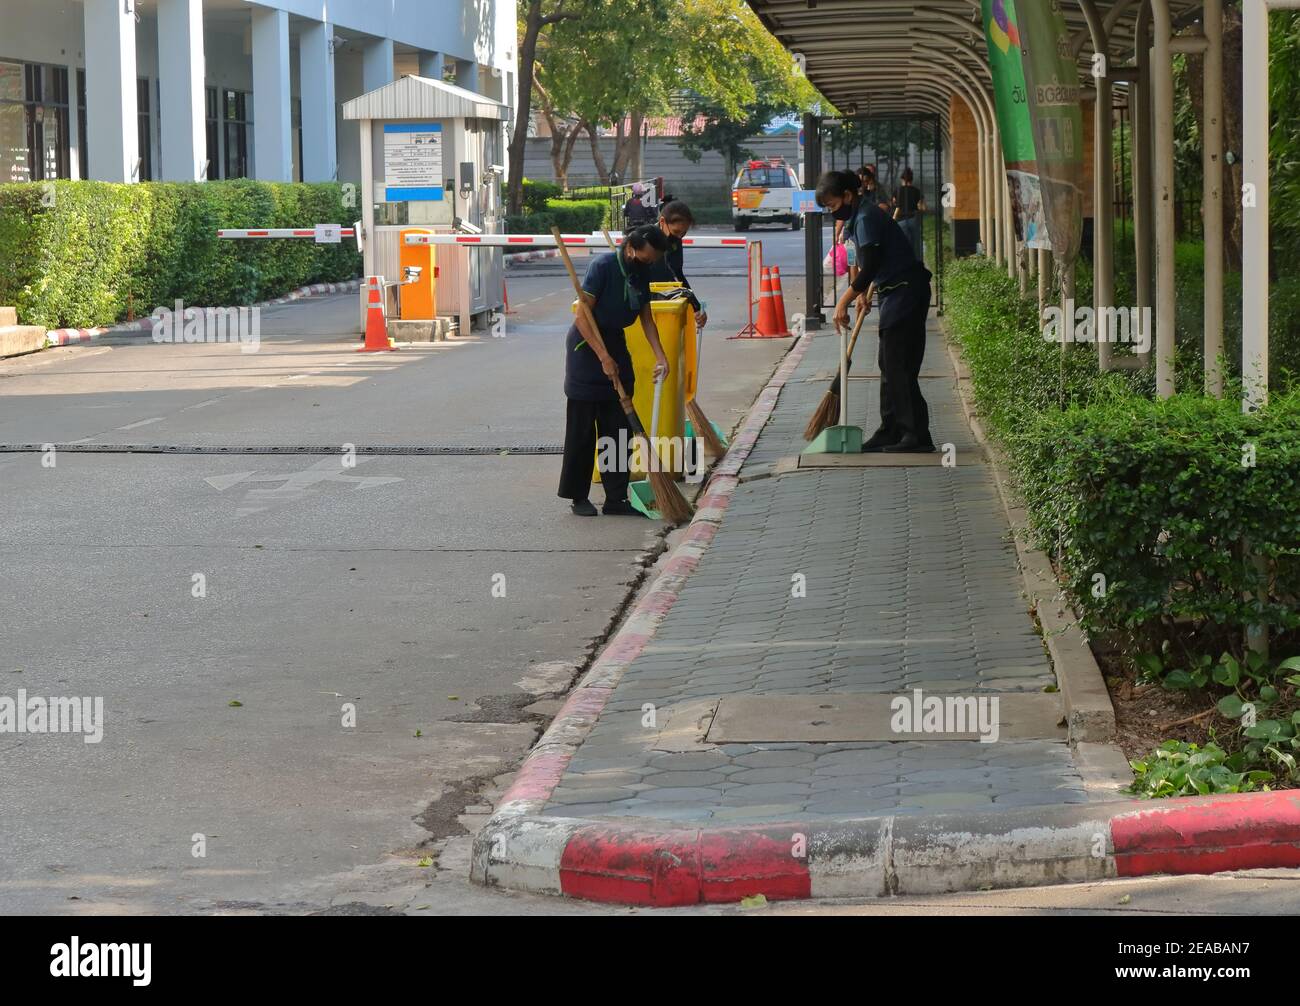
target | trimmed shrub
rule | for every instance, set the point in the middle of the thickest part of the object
(536, 195)
(99, 249)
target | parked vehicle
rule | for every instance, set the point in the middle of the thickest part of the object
(762, 193)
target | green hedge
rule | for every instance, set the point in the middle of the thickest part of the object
(99, 249)
(1152, 495)
(572, 216)
(536, 195)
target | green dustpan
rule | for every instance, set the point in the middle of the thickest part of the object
(836, 440)
(690, 432)
(639, 494)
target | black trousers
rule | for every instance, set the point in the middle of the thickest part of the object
(903, 410)
(584, 422)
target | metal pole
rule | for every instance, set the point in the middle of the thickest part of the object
(938, 215)
(1212, 195)
(812, 237)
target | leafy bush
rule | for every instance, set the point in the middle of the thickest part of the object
(579, 216)
(536, 195)
(1151, 506)
(100, 249)
(1177, 768)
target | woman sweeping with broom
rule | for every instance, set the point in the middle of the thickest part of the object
(617, 290)
(883, 256)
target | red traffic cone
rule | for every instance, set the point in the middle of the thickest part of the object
(377, 340)
(778, 301)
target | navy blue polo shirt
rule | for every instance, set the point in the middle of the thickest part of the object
(618, 304)
(902, 282)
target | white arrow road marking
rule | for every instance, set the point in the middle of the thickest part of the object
(294, 485)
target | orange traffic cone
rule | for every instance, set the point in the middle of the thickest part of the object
(767, 323)
(778, 300)
(377, 340)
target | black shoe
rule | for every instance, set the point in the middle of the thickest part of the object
(619, 508)
(909, 445)
(878, 441)
(870, 448)
(584, 508)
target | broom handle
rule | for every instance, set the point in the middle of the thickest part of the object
(871, 292)
(593, 335)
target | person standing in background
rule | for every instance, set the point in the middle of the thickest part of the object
(909, 204)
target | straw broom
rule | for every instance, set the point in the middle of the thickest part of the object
(669, 501)
(828, 412)
(699, 421)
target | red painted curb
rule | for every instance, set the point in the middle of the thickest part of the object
(664, 869)
(1233, 832)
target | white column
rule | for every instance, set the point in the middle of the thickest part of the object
(272, 121)
(180, 71)
(376, 64)
(75, 139)
(467, 74)
(316, 85)
(110, 91)
(431, 65)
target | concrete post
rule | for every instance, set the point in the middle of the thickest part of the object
(431, 65)
(316, 85)
(1143, 193)
(110, 91)
(182, 103)
(376, 64)
(467, 74)
(1212, 195)
(272, 114)
(1103, 171)
(1162, 78)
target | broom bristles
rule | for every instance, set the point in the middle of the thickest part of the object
(704, 429)
(826, 416)
(669, 501)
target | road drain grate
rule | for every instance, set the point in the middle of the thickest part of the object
(445, 450)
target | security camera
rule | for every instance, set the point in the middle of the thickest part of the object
(411, 273)
(467, 227)
(496, 169)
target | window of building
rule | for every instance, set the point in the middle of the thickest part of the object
(143, 134)
(214, 132)
(83, 156)
(34, 141)
(238, 121)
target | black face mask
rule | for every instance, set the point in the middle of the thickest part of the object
(845, 212)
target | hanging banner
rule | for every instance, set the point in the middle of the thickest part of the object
(1052, 79)
(1011, 103)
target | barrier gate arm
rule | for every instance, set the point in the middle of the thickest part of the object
(547, 241)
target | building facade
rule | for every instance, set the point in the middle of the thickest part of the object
(187, 90)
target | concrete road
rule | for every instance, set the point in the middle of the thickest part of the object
(235, 611)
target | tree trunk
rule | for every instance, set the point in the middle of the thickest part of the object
(627, 147)
(523, 110)
(597, 155)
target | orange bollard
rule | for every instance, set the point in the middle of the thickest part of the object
(778, 299)
(377, 340)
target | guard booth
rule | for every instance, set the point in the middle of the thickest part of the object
(432, 157)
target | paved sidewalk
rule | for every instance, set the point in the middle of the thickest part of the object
(912, 582)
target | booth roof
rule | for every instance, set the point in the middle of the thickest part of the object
(423, 98)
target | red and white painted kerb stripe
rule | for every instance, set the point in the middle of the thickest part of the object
(70, 336)
(636, 863)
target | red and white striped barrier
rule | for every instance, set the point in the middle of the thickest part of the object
(547, 241)
(282, 232)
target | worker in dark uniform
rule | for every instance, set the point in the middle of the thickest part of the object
(883, 255)
(676, 220)
(617, 289)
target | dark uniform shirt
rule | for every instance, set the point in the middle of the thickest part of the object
(618, 304)
(902, 283)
